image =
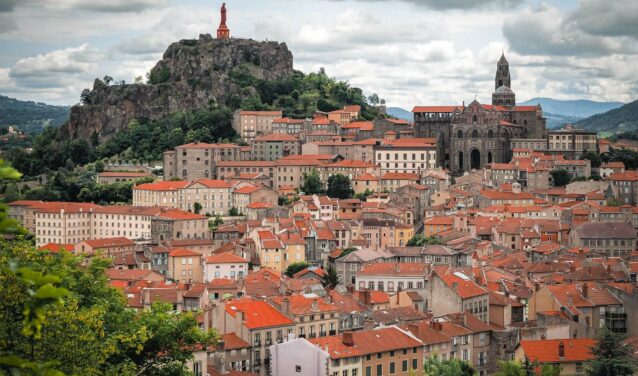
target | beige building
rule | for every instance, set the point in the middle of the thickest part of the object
(266, 168)
(273, 146)
(185, 266)
(108, 246)
(412, 155)
(252, 124)
(572, 142)
(197, 160)
(213, 196)
(256, 322)
(71, 223)
(314, 317)
(568, 354)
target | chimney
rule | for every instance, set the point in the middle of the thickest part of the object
(413, 328)
(285, 304)
(477, 280)
(367, 297)
(537, 286)
(585, 290)
(561, 350)
(398, 295)
(348, 339)
(315, 305)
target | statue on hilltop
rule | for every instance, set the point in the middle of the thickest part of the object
(222, 31)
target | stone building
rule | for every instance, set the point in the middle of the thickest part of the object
(197, 160)
(473, 136)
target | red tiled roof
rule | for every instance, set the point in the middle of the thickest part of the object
(233, 342)
(546, 350)
(109, 242)
(163, 185)
(400, 176)
(183, 253)
(56, 247)
(225, 258)
(367, 342)
(124, 174)
(465, 288)
(392, 268)
(257, 314)
(179, 214)
(300, 305)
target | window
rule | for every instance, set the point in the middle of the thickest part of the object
(404, 366)
(379, 369)
(415, 364)
(368, 371)
(392, 368)
(297, 368)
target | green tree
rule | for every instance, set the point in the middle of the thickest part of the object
(330, 279)
(233, 212)
(364, 195)
(511, 368)
(99, 166)
(339, 187)
(561, 177)
(197, 207)
(312, 183)
(215, 223)
(435, 366)
(419, 240)
(612, 356)
(295, 267)
(594, 157)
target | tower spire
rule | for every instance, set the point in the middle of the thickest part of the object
(222, 31)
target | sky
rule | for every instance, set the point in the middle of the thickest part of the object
(409, 52)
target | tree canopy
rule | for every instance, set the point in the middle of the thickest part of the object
(561, 177)
(339, 187)
(612, 356)
(295, 268)
(312, 183)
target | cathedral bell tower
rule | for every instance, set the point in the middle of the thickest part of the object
(503, 94)
(222, 31)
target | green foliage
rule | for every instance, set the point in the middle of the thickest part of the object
(626, 156)
(233, 212)
(59, 313)
(594, 157)
(624, 117)
(197, 207)
(215, 223)
(312, 183)
(419, 240)
(527, 368)
(435, 366)
(339, 187)
(330, 279)
(347, 251)
(561, 177)
(156, 77)
(614, 202)
(31, 117)
(612, 356)
(299, 95)
(295, 267)
(364, 195)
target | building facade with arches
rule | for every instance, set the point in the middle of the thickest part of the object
(470, 137)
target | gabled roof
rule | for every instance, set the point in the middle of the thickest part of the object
(225, 258)
(463, 285)
(183, 253)
(56, 247)
(257, 314)
(546, 350)
(109, 242)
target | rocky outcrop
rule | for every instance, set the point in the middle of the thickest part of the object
(192, 74)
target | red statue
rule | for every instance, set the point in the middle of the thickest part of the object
(222, 31)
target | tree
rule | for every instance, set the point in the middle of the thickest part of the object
(527, 368)
(85, 96)
(561, 177)
(99, 166)
(312, 183)
(215, 223)
(197, 207)
(330, 279)
(364, 195)
(295, 267)
(339, 187)
(593, 157)
(373, 99)
(419, 240)
(107, 80)
(233, 212)
(612, 356)
(435, 366)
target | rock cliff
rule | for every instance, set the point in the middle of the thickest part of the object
(191, 74)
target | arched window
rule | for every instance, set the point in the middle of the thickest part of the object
(490, 134)
(525, 122)
(475, 134)
(459, 134)
(474, 118)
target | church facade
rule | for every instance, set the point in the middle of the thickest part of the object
(470, 137)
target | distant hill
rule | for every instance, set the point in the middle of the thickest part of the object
(30, 116)
(621, 119)
(400, 113)
(560, 112)
(572, 108)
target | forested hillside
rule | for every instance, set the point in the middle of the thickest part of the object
(29, 116)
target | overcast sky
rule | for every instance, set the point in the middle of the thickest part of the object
(409, 52)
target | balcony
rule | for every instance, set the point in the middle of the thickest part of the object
(257, 362)
(615, 316)
(257, 342)
(322, 334)
(280, 339)
(268, 342)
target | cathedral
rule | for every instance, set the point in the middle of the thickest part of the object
(470, 137)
